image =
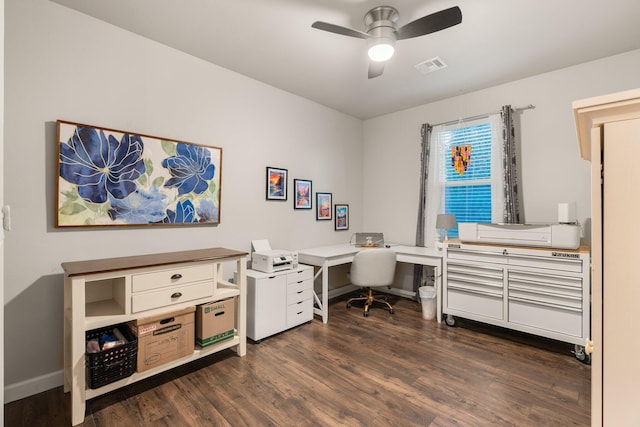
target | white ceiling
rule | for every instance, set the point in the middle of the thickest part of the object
(272, 41)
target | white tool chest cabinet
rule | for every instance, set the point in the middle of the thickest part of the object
(541, 291)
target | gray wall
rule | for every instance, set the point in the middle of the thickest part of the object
(61, 64)
(552, 169)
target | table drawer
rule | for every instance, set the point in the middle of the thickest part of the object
(299, 276)
(548, 317)
(475, 302)
(296, 287)
(171, 277)
(549, 263)
(142, 301)
(489, 256)
(299, 313)
(301, 295)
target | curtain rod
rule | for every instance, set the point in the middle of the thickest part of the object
(481, 116)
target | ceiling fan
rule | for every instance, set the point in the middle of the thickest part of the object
(381, 31)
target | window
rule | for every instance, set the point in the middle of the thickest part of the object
(467, 171)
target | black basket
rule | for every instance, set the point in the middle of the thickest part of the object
(113, 364)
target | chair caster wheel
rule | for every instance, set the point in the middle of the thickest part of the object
(391, 311)
(348, 305)
(366, 314)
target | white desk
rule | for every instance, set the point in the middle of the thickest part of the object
(329, 256)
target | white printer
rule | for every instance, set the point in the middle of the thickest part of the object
(562, 236)
(268, 260)
(272, 261)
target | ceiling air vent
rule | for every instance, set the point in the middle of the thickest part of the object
(430, 65)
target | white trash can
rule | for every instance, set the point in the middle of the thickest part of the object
(428, 300)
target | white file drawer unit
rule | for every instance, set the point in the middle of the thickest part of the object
(541, 291)
(278, 301)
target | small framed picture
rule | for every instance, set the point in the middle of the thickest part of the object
(323, 206)
(342, 217)
(302, 194)
(276, 183)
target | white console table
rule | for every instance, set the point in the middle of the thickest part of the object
(106, 292)
(541, 291)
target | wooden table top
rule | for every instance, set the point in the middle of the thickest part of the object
(104, 265)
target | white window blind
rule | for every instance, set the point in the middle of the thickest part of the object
(467, 191)
(473, 193)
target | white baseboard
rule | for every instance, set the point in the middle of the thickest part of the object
(399, 292)
(33, 386)
(341, 291)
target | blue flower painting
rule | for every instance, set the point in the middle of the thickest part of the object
(109, 177)
(101, 165)
(184, 213)
(190, 169)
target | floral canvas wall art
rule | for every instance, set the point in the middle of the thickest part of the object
(111, 177)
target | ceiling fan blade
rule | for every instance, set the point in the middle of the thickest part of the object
(332, 28)
(430, 24)
(375, 69)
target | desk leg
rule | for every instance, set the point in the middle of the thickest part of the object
(437, 273)
(325, 292)
(323, 300)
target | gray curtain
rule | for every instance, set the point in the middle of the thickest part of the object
(512, 214)
(419, 270)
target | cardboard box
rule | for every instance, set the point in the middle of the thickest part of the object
(215, 322)
(164, 338)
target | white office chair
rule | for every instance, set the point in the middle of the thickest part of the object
(371, 268)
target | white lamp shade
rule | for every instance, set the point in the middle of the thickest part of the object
(446, 221)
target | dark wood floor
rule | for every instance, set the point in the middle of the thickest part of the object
(383, 370)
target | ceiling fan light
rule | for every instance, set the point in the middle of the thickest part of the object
(381, 50)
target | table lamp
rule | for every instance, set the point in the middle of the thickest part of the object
(445, 222)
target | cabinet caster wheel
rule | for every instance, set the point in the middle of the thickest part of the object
(450, 320)
(580, 354)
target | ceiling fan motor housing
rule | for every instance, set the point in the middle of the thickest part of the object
(382, 16)
(381, 27)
